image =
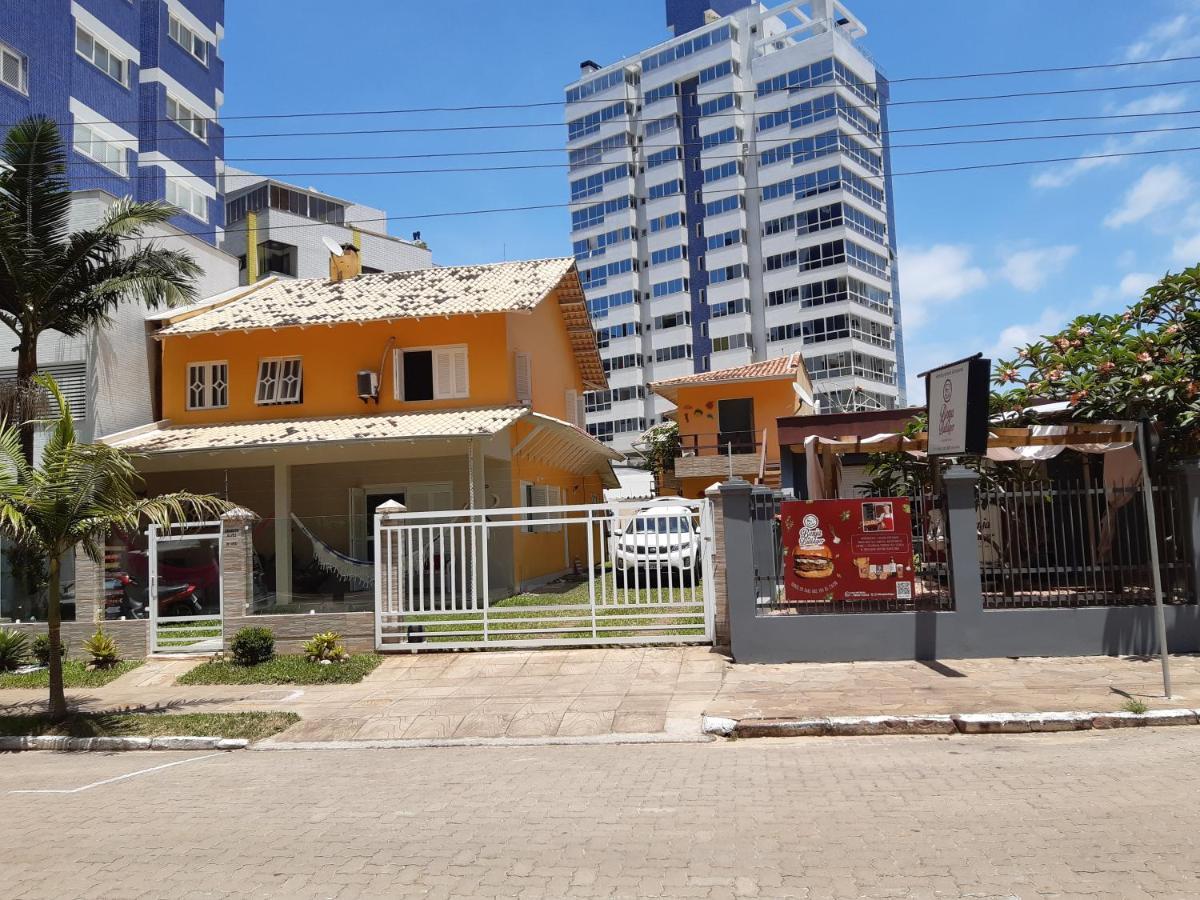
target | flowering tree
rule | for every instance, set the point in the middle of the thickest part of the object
(1144, 362)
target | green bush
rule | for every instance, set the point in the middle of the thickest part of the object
(103, 650)
(41, 649)
(14, 649)
(253, 645)
(325, 646)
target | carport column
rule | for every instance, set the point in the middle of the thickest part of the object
(237, 568)
(89, 586)
(736, 543)
(720, 594)
(1191, 481)
(962, 530)
(283, 532)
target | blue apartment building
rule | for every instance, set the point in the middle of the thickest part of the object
(136, 87)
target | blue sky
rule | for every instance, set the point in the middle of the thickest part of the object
(988, 259)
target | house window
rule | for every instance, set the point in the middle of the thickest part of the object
(186, 118)
(108, 62)
(280, 380)
(208, 385)
(97, 146)
(14, 69)
(431, 373)
(524, 377)
(188, 40)
(190, 201)
(540, 495)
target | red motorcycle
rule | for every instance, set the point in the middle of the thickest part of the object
(125, 596)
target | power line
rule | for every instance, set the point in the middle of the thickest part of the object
(507, 126)
(713, 157)
(716, 194)
(541, 104)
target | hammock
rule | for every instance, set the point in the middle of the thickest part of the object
(360, 573)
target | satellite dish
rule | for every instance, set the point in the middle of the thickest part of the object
(333, 246)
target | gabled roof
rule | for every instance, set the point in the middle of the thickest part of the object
(781, 368)
(381, 296)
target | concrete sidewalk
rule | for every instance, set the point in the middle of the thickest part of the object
(616, 693)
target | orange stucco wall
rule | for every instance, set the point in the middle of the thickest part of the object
(332, 355)
(697, 409)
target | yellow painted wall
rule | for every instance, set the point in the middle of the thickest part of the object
(697, 409)
(333, 355)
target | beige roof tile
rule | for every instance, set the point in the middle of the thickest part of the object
(169, 438)
(441, 291)
(779, 367)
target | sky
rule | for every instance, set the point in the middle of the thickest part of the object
(988, 259)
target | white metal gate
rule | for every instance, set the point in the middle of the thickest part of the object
(183, 594)
(537, 576)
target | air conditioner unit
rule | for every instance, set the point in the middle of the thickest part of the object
(368, 385)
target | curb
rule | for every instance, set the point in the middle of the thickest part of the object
(111, 744)
(962, 723)
(427, 743)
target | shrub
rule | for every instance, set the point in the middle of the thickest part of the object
(14, 649)
(253, 645)
(103, 650)
(41, 649)
(1134, 705)
(325, 646)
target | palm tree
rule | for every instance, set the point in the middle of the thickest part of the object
(53, 279)
(77, 494)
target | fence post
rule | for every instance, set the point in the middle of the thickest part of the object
(1191, 482)
(237, 569)
(736, 545)
(719, 594)
(962, 534)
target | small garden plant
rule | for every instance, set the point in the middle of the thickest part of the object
(41, 649)
(14, 649)
(325, 648)
(252, 646)
(103, 650)
(1134, 705)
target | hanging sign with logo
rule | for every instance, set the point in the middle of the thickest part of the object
(847, 549)
(957, 399)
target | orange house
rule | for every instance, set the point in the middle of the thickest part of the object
(727, 420)
(312, 402)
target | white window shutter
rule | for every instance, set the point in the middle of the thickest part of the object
(572, 402)
(461, 379)
(398, 374)
(443, 374)
(524, 378)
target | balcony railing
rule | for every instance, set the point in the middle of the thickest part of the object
(720, 444)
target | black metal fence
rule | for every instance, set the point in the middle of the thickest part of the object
(1072, 543)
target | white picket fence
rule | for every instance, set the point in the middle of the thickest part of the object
(622, 573)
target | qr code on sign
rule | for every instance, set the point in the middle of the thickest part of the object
(903, 590)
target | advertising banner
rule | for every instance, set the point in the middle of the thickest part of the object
(847, 549)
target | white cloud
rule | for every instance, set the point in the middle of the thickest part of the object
(936, 275)
(1159, 187)
(1015, 336)
(1186, 251)
(1178, 36)
(1028, 270)
(1162, 102)
(1135, 283)
(1130, 287)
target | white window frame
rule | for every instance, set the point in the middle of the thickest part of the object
(98, 137)
(534, 495)
(437, 352)
(208, 367)
(196, 204)
(279, 393)
(176, 27)
(187, 118)
(22, 62)
(112, 54)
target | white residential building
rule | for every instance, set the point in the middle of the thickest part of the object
(287, 223)
(730, 202)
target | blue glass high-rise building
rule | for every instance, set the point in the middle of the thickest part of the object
(136, 87)
(730, 200)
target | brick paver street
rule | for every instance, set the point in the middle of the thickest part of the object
(1071, 815)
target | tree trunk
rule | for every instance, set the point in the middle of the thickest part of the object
(27, 367)
(58, 699)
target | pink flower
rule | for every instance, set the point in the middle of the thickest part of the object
(1078, 395)
(1063, 344)
(1107, 367)
(1054, 374)
(1144, 357)
(1147, 378)
(1084, 330)
(1173, 328)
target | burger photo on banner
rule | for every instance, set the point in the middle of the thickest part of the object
(847, 550)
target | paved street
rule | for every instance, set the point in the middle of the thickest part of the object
(1095, 815)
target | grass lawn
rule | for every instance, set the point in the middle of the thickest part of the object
(75, 675)
(283, 670)
(564, 607)
(249, 725)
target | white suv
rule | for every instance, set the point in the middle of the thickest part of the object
(658, 541)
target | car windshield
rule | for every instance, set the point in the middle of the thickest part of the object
(660, 525)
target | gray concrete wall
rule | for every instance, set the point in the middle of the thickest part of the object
(969, 631)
